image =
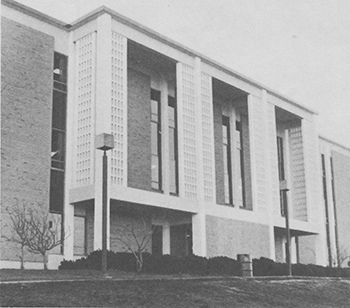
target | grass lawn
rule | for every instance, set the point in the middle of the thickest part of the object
(143, 291)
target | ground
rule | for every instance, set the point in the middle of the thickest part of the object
(116, 289)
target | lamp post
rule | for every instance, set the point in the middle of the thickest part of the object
(104, 142)
(284, 189)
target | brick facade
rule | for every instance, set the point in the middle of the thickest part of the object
(228, 237)
(139, 130)
(219, 164)
(27, 81)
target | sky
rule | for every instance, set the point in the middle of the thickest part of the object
(299, 48)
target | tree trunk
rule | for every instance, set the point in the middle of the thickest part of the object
(22, 257)
(139, 262)
(45, 260)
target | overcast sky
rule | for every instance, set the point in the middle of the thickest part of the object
(300, 48)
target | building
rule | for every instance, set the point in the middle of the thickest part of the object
(202, 154)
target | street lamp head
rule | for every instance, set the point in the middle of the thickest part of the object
(284, 185)
(104, 142)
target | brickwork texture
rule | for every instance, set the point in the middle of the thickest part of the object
(27, 63)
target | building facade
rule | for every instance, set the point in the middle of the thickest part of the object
(203, 156)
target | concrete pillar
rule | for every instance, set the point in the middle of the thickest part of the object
(68, 249)
(103, 119)
(166, 238)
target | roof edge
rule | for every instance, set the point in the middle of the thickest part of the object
(34, 13)
(149, 32)
(333, 142)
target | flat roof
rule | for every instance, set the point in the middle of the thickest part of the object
(149, 32)
(333, 142)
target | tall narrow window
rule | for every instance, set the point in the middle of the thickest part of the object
(280, 156)
(325, 197)
(281, 173)
(58, 133)
(240, 154)
(156, 140)
(227, 159)
(173, 158)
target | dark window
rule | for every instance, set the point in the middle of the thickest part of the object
(60, 69)
(280, 156)
(226, 143)
(173, 158)
(283, 202)
(240, 149)
(56, 191)
(281, 173)
(58, 149)
(156, 140)
(58, 133)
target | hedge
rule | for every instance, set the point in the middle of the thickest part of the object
(163, 264)
(195, 265)
(267, 267)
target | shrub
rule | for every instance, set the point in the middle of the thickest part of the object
(224, 266)
(267, 267)
(161, 264)
(195, 265)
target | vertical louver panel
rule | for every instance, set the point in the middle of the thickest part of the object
(208, 134)
(85, 81)
(297, 169)
(119, 109)
(187, 135)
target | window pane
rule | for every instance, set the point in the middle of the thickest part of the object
(226, 148)
(154, 138)
(60, 68)
(58, 146)
(56, 191)
(59, 110)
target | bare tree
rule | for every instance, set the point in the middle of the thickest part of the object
(18, 228)
(36, 229)
(342, 255)
(138, 240)
(44, 232)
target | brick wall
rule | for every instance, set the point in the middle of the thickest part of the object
(219, 164)
(228, 237)
(139, 130)
(27, 63)
(121, 225)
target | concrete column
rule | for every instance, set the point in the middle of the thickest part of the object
(166, 238)
(68, 249)
(103, 119)
(199, 238)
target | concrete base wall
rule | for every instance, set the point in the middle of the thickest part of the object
(227, 237)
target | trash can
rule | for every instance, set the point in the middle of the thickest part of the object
(247, 266)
